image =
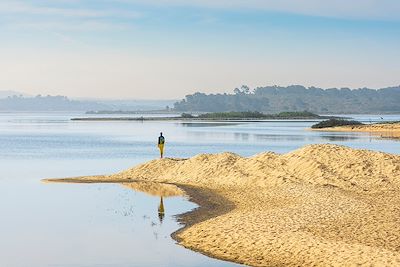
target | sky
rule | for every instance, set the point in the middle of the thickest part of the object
(166, 49)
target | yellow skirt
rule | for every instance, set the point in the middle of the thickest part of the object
(161, 147)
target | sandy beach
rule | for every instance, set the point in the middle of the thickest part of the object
(386, 130)
(321, 205)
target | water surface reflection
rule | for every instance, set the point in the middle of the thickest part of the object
(157, 189)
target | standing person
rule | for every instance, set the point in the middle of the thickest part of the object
(161, 142)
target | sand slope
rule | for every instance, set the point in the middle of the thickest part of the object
(319, 205)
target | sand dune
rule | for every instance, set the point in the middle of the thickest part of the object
(319, 205)
(386, 130)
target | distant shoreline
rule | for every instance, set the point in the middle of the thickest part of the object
(131, 112)
(220, 116)
(193, 119)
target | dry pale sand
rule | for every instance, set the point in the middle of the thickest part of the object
(321, 205)
(386, 130)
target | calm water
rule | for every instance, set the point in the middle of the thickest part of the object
(109, 225)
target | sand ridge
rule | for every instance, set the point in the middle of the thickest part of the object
(318, 205)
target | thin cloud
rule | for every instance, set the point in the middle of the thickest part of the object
(17, 7)
(51, 17)
(79, 26)
(352, 9)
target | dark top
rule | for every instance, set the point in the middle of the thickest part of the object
(161, 140)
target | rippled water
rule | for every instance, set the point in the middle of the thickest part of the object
(107, 224)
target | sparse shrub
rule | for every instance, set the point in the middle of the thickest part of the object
(187, 115)
(334, 123)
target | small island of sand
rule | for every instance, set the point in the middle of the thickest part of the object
(387, 130)
(321, 205)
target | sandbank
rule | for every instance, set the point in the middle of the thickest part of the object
(321, 205)
(386, 130)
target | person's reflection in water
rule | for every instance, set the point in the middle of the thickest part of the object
(161, 211)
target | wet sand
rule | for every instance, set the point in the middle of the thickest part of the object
(319, 205)
(385, 130)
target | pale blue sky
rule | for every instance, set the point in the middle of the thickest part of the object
(166, 49)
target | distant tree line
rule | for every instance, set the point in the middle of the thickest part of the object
(275, 99)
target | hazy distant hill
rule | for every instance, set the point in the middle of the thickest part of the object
(47, 103)
(16, 102)
(273, 99)
(7, 93)
(134, 105)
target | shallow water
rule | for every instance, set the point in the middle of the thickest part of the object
(85, 224)
(107, 224)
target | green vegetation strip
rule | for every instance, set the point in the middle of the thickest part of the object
(334, 123)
